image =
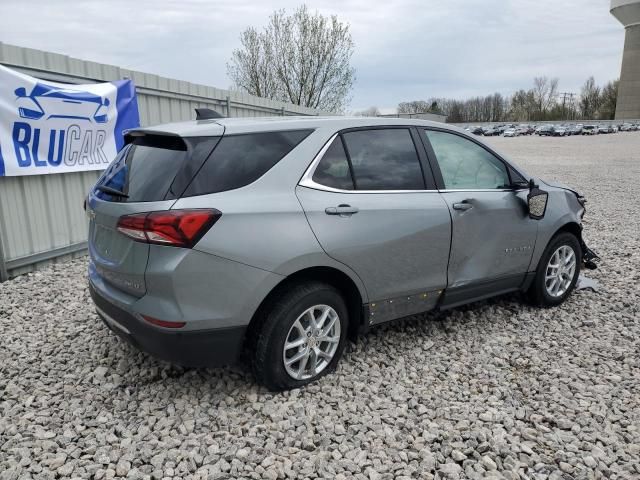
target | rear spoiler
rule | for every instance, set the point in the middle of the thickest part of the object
(132, 133)
(168, 140)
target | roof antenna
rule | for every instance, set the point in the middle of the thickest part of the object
(207, 114)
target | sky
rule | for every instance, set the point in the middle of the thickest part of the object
(404, 49)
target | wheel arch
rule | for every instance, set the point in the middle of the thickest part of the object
(569, 227)
(330, 275)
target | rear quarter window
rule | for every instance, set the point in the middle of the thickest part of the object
(239, 160)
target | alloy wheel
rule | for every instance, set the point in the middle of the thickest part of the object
(560, 271)
(312, 342)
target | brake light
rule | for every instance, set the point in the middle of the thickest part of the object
(176, 228)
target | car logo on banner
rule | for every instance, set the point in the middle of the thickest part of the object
(46, 101)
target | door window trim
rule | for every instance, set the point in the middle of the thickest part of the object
(427, 173)
(439, 180)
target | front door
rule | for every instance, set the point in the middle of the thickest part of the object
(492, 235)
(368, 205)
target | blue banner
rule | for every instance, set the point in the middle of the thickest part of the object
(48, 127)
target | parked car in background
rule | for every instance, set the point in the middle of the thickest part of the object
(477, 130)
(626, 127)
(546, 131)
(589, 130)
(575, 129)
(559, 131)
(605, 129)
(282, 236)
(490, 132)
(511, 132)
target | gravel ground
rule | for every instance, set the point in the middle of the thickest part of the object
(494, 390)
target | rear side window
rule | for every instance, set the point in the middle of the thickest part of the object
(152, 168)
(333, 170)
(384, 159)
(239, 160)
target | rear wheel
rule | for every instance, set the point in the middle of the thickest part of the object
(557, 272)
(301, 336)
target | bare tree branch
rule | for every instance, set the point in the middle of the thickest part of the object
(303, 59)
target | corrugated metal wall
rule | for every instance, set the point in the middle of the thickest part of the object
(41, 217)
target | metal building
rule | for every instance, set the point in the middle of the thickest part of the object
(628, 13)
(41, 217)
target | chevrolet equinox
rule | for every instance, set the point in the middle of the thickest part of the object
(280, 237)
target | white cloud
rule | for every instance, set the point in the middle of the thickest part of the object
(405, 49)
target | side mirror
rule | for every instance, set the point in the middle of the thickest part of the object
(537, 201)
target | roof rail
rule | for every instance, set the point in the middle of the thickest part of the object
(207, 114)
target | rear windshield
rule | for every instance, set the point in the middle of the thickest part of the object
(154, 167)
(239, 160)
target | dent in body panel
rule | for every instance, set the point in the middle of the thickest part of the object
(562, 208)
(493, 239)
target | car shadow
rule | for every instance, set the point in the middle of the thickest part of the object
(145, 372)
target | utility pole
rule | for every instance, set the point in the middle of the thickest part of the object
(570, 96)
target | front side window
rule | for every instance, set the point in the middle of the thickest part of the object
(384, 159)
(465, 165)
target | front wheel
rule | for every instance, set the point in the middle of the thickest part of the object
(301, 336)
(557, 272)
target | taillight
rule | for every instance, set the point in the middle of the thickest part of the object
(177, 228)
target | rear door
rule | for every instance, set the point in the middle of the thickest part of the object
(372, 207)
(148, 174)
(493, 236)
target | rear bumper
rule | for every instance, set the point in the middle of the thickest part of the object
(200, 348)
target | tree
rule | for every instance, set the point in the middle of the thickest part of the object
(589, 99)
(544, 92)
(303, 59)
(521, 105)
(368, 112)
(415, 106)
(608, 100)
(456, 113)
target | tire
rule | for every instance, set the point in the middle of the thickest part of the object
(287, 319)
(541, 292)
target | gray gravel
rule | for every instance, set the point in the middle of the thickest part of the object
(495, 390)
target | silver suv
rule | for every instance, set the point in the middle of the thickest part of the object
(280, 237)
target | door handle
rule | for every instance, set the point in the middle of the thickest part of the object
(342, 210)
(464, 205)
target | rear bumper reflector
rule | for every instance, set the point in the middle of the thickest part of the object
(162, 323)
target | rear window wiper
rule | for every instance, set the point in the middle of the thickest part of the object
(111, 191)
